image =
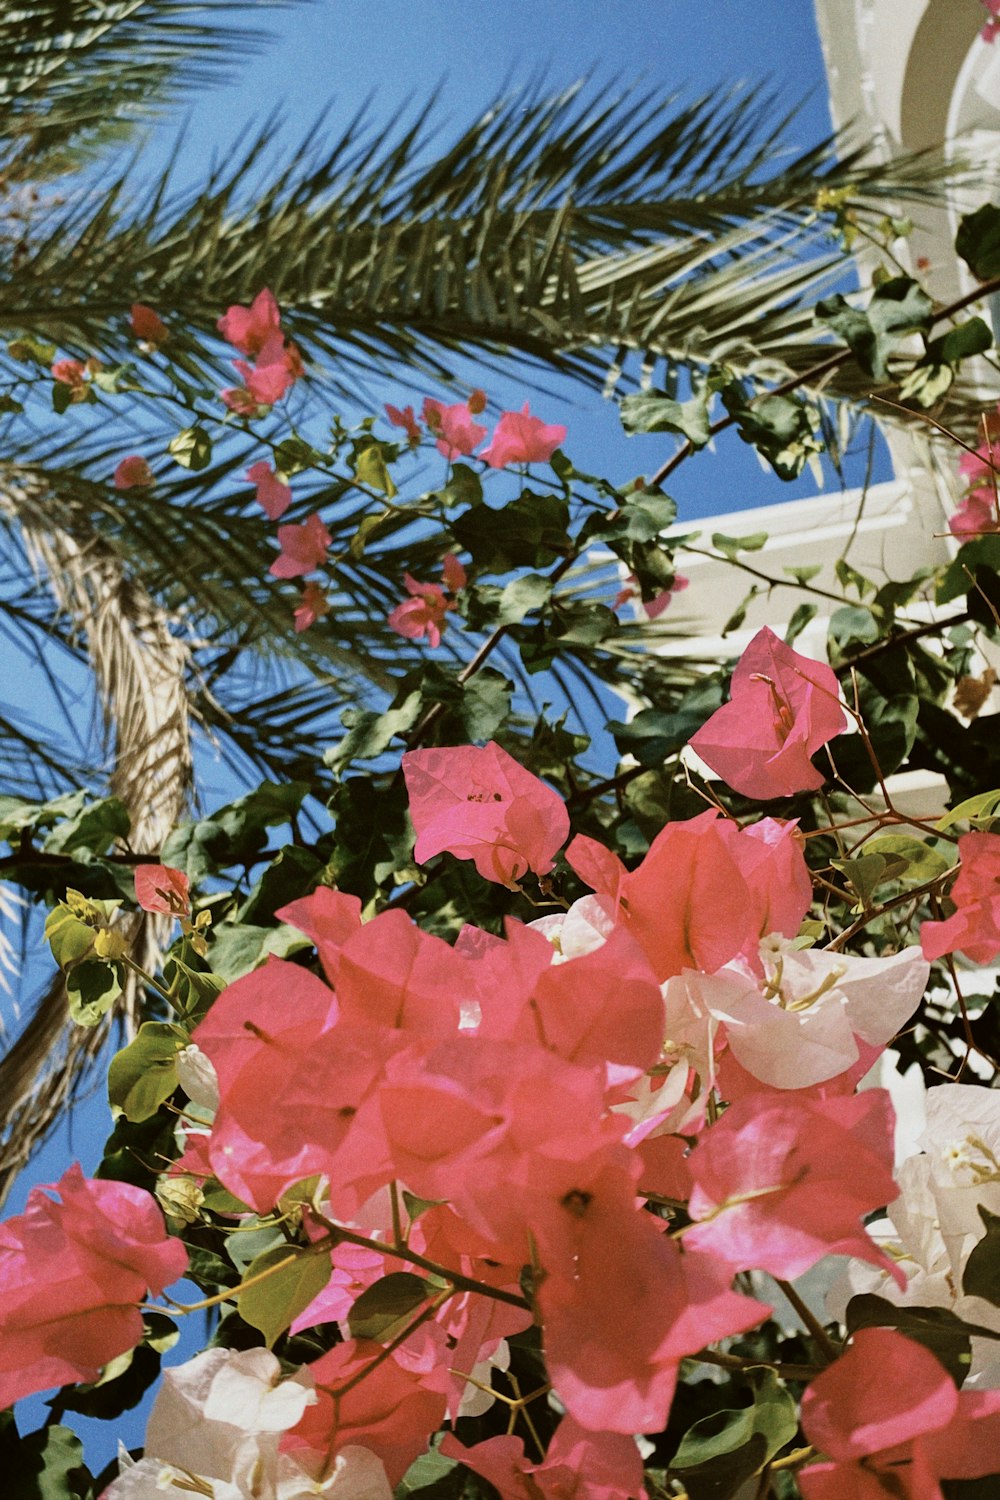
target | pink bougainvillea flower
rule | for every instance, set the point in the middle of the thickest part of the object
(267, 384)
(981, 467)
(162, 888)
(303, 548)
(133, 473)
(454, 574)
(313, 605)
(241, 402)
(249, 328)
(72, 1275)
(407, 420)
(976, 516)
(520, 438)
(892, 1424)
(974, 929)
(480, 804)
(282, 1023)
(783, 707)
(71, 372)
(423, 613)
(392, 1411)
(618, 1310)
(652, 608)
(148, 325)
(457, 434)
(328, 918)
(778, 1185)
(273, 495)
(585, 1465)
(602, 1005)
(706, 890)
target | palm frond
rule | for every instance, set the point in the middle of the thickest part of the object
(550, 227)
(75, 75)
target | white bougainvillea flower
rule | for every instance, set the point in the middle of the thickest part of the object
(197, 1077)
(801, 1025)
(661, 1103)
(581, 930)
(911, 1236)
(219, 1417)
(962, 1146)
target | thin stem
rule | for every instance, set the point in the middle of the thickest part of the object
(814, 373)
(736, 1362)
(153, 983)
(933, 628)
(914, 894)
(822, 1339)
(403, 1252)
(426, 1313)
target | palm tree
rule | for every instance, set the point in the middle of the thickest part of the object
(589, 233)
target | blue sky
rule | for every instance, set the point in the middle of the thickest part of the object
(336, 54)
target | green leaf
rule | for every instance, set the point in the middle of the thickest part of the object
(730, 546)
(464, 487)
(654, 411)
(530, 532)
(521, 596)
(62, 397)
(865, 874)
(138, 1153)
(385, 1308)
(43, 1465)
(93, 987)
(191, 448)
(653, 735)
(371, 470)
(898, 307)
(144, 1073)
(932, 376)
(275, 1302)
(433, 1477)
(643, 516)
(289, 874)
(572, 625)
(978, 242)
(723, 1450)
(801, 617)
(237, 948)
(31, 351)
(370, 734)
(892, 728)
(294, 454)
(907, 859)
(780, 428)
(236, 834)
(194, 987)
(981, 1277)
(982, 552)
(94, 827)
(978, 811)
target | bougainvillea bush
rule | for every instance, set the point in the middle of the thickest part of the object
(495, 1115)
